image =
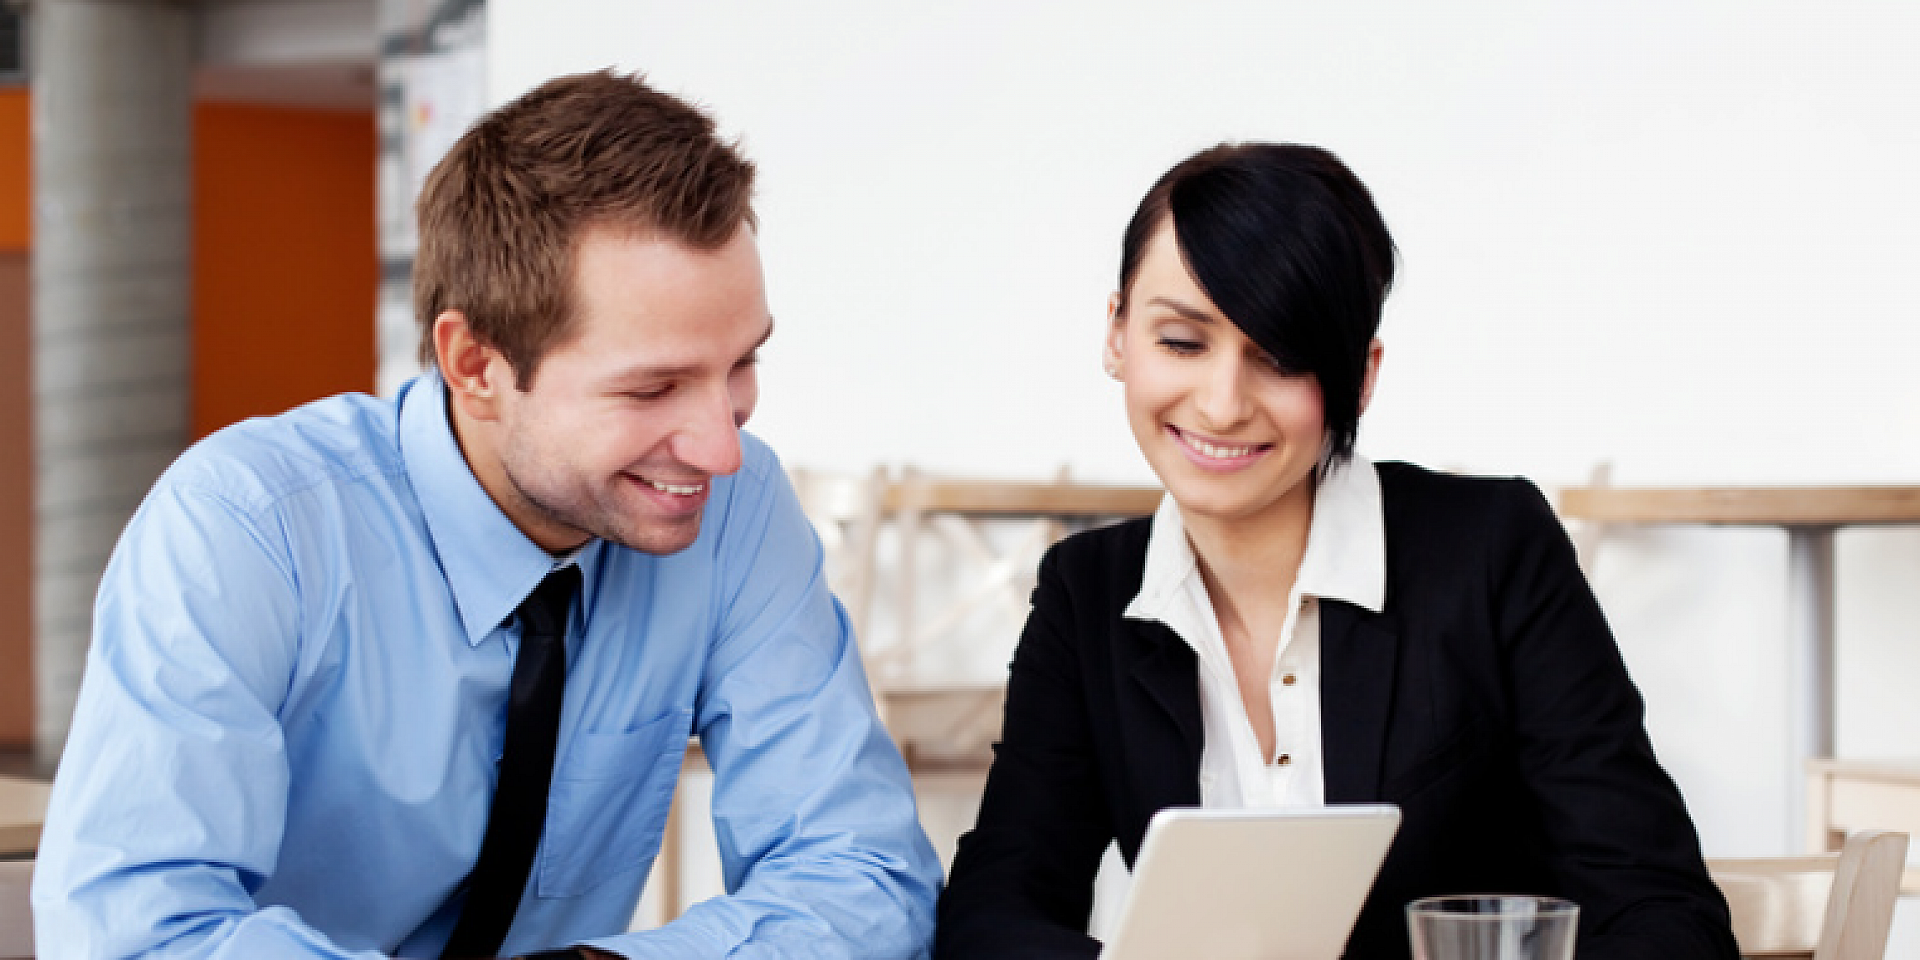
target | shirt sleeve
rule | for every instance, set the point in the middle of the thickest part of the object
(820, 842)
(170, 802)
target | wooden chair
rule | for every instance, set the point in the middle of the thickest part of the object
(846, 512)
(16, 915)
(1820, 906)
(1588, 534)
(1844, 796)
(990, 533)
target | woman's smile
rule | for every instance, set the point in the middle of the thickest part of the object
(1214, 455)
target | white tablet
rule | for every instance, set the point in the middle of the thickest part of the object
(1252, 884)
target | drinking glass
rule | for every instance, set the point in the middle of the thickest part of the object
(1492, 928)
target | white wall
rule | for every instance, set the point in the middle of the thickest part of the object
(1680, 236)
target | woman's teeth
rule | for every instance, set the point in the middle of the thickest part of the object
(1219, 452)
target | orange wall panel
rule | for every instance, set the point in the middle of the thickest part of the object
(16, 421)
(285, 267)
(16, 170)
(16, 503)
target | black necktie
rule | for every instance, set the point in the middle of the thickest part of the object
(526, 768)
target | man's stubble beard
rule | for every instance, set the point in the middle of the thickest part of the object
(598, 521)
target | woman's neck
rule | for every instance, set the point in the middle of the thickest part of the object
(1247, 560)
(1249, 565)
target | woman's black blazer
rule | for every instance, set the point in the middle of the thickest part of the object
(1487, 700)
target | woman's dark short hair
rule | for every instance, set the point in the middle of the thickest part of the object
(1288, 244)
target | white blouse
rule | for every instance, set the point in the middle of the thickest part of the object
(1345, 559)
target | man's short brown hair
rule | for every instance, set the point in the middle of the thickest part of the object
(502, 214)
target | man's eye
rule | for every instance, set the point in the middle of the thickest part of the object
(651, 393)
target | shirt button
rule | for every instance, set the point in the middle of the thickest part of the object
(1287, 681)
(1283, 760)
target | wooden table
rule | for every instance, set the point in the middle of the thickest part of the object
(23, 805)
(1810, 515)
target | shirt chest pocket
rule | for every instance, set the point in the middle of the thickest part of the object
(608, 803)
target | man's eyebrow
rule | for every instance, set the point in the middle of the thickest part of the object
(676, 370)
(1193, 313)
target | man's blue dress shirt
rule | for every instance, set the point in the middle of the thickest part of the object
(286, 740)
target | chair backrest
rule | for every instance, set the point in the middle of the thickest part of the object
(16, 916)
(845, 510)
(1824, 906)
(1844, 796)
(957, 513)
(23, 806)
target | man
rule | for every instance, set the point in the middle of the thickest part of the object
(414, 678)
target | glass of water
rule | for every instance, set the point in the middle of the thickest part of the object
(1492, 928)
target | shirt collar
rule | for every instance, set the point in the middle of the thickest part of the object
(1345, 559)
(489, 564)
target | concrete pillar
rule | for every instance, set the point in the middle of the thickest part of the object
(112, 126)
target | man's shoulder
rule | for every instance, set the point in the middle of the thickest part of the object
(346, 439)
(759, 470)
(757, 460)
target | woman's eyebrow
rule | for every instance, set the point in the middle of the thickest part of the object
(1193, 313)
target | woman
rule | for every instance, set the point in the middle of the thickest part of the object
(1299, 626)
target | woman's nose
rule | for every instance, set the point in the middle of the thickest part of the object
(1221, 397)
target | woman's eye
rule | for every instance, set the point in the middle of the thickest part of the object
(1181, 348)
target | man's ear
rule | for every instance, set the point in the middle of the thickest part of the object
(1374, 351)
(475, 373)
(1115, 350)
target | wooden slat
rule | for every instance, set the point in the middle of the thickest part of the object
(1744, 506)
(16, 915)
(1838, 906)
(1778, 904)
(991, 497)
(1902, 772)
(1850, 795)
(23, 805)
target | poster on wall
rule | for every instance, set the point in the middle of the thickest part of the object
(432, 88)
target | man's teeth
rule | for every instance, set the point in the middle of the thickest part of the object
(676, 489)
(1217, 452)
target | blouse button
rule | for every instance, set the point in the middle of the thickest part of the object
(1283, 760)
(1287, 681)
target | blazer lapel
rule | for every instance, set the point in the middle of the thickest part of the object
(1161, 731)
(1358, 653)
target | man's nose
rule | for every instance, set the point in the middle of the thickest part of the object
(709, 439)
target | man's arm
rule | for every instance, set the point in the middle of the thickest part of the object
(168, 808)
(820, 844)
